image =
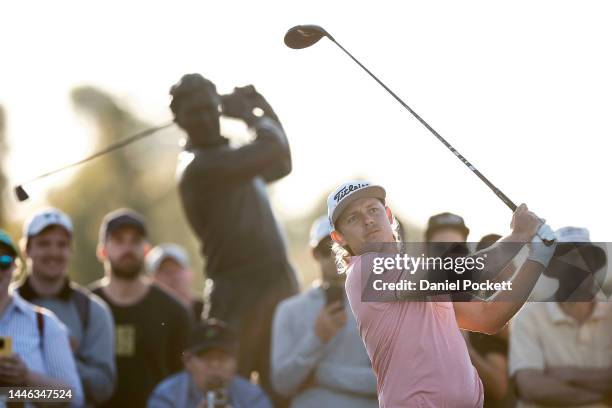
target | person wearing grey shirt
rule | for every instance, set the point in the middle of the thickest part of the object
(47, 246)
(318, 358)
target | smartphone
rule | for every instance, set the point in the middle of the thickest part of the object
(6, 346)
(334, 293)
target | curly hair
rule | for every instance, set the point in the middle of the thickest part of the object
(188, 85)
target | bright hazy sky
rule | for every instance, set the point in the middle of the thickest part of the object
(523, 89)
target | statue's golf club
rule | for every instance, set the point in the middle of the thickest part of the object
(22, 195)
(304, 36)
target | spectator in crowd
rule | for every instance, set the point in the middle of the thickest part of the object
(168, 265)
(223, 192)
(489, 354)
(34, 346)
(151, 326)
(560, 352)
(209, 379)
(318, 358)
(446, 236)
(417, 351)
(48, 248)
(446, 227)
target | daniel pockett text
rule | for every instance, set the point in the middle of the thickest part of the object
(394, 276)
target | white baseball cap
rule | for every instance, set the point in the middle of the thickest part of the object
(44, 219)
(320, 229)
(573, 234)
(348, 192)
(166, 251)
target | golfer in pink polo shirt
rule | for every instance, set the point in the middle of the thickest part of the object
(418, 354)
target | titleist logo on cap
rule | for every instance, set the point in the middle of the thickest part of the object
(346, 190)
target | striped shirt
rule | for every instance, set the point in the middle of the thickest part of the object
(53, 357)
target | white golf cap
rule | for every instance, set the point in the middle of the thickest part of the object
(166, 251)
(44, 219)
(348, 192)
(320, 229)
(572, 234)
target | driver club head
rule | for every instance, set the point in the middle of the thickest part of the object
(303, 36)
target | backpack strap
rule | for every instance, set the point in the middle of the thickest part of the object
(40, 322)
(82, 303)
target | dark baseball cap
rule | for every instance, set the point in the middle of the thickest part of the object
(122, 218)
(212, 334)
(446, 220)
(6, 240)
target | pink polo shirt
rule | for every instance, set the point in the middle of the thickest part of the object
(418, 354)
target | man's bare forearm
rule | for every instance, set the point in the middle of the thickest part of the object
(535, 386)
(593, 379)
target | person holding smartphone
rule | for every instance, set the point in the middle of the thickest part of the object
(318, 358)
(223, 192)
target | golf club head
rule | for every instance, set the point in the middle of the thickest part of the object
(21, 194)
(303, 36)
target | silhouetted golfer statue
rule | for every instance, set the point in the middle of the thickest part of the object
(223, 191)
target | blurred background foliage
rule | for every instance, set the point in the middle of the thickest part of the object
(140, 176)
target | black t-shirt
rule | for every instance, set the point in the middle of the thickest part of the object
(149, 339)
(485, 344)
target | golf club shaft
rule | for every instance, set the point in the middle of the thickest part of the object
(495, 190)
(108, 149)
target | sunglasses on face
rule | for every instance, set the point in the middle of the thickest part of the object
(6, 262)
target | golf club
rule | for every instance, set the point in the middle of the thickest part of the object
(303, 36)
(21, 193)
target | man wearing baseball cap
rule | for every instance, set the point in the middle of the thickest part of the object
(168, 265)
(210, 378)
(446, 227)
(560, 351)
(34, 347)
(47, 246)
(151, 326)
(315, 334)
(417, 351)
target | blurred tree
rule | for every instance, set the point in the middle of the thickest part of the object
(139, 176)
(3, 178)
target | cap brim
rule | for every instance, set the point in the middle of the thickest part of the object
(10, 247)
(593, 256)
(457, 227)
(214, 345)
(35, 231)
(126, 224)
(372, 191)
